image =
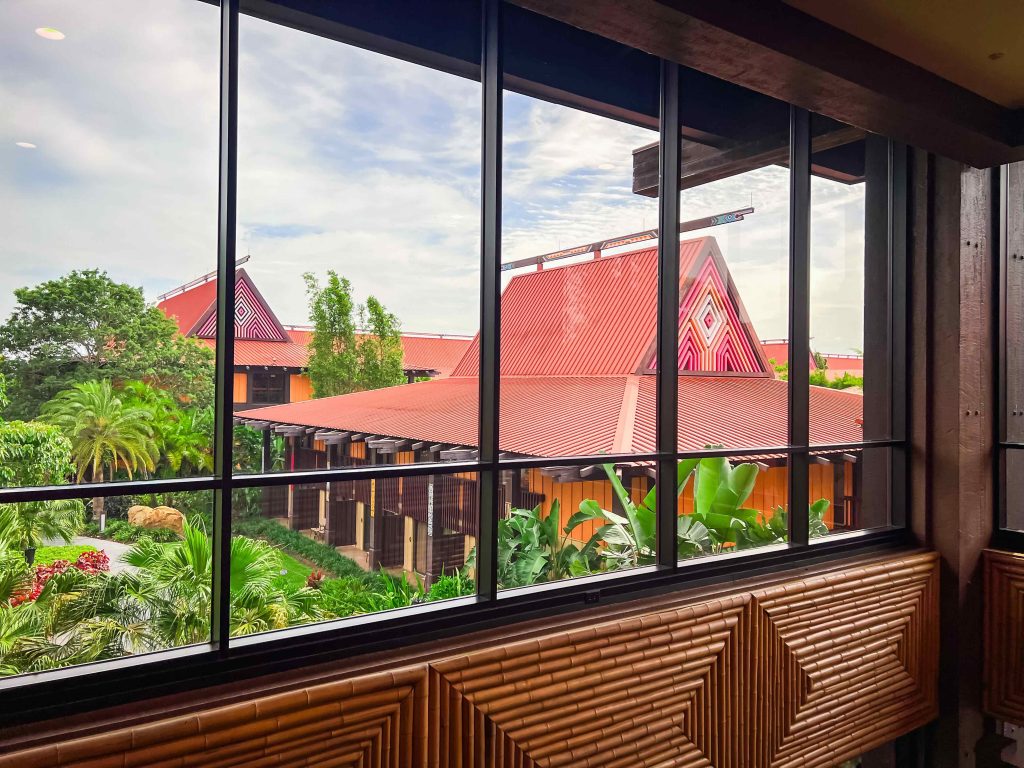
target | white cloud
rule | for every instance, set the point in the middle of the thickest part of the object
(348, 160)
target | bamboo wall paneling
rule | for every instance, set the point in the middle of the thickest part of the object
(806, 673)
(364, 722)
(1004, 636)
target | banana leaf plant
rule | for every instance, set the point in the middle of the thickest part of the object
(629, 539)
(532, 549)
(775, 530)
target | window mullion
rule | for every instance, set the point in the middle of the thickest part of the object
(799, 318)
(490, 295)
(668, 315)
(225, 350)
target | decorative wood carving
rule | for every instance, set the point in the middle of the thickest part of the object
(802, 673)
(1004, 635)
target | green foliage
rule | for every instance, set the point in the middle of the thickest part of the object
(25, 524)
(380, 349)
(124, 532)
(820, 361)
(532, 549)
(50, 555)
(106, 433)
(83, 326)
(313, 551)
(341, 360)
(182, 436)
(818, 377)
(450, 586)
(248, 450)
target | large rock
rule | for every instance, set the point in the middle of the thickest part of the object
(157, 517)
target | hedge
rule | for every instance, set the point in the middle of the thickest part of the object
(319, 554)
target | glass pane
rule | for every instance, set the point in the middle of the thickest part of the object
(579, 266)
(562, 522)
(731, 504)
(849, 297)
(109, 193)
(341, 549)
(73, 591)
(358, 207)
(733, 263)
(849, 490)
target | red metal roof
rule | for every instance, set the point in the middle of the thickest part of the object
(187, 308)
(553, 416)
(420, 353)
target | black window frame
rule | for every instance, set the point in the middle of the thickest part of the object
(225, 659)
(281, 391)
(1003, 536)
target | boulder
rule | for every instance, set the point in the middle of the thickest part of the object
(157, 517)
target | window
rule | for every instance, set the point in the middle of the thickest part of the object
(268, 387)
(1010, 458)
(524, 368)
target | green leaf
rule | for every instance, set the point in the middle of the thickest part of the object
(742, 479)
(710, 475)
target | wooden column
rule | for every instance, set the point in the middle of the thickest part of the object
(952, 389)
(376, 511)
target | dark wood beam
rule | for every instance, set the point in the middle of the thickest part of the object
(701, 163)
(777, 50)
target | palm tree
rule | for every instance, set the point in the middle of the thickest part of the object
(25, 524)
(175, 583)
(187, 441)
(106, 434)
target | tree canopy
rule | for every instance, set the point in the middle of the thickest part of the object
(86, 326)
(353, 347)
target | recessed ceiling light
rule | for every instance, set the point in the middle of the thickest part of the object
(25, 144)
(50, 33)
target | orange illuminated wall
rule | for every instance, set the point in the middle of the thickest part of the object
(770, 491)
(300, 388)
(241, 387)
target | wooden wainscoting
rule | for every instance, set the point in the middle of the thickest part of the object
(806, 672)
(1004, 635)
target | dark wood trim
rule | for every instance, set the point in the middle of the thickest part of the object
(777, 50)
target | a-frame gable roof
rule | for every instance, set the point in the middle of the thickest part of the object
(195, 311)
(254, 319)
(599, 318)
(716, 335)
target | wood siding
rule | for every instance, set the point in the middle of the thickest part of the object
(300, 388)
(802, 672)
(241, 387)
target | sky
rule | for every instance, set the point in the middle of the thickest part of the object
(348, 160)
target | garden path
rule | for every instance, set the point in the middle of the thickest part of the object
(115, 550)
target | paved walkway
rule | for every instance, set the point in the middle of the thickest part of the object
(114, 549)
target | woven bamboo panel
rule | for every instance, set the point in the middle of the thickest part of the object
(366, 722)
(806, 674)
(1004, 635)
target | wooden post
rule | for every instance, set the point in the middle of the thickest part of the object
(952, 389)
(266, 459)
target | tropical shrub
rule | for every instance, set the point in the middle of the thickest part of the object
(446, 587)
(24, 525)
(124, 532)
(532, 548)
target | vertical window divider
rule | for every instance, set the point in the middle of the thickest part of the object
(667, 390)
(225, 349)
(1001, 337)
(899, 361)
(491, 80)
(799, 320)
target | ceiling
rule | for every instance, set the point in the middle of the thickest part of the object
(977, 45)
